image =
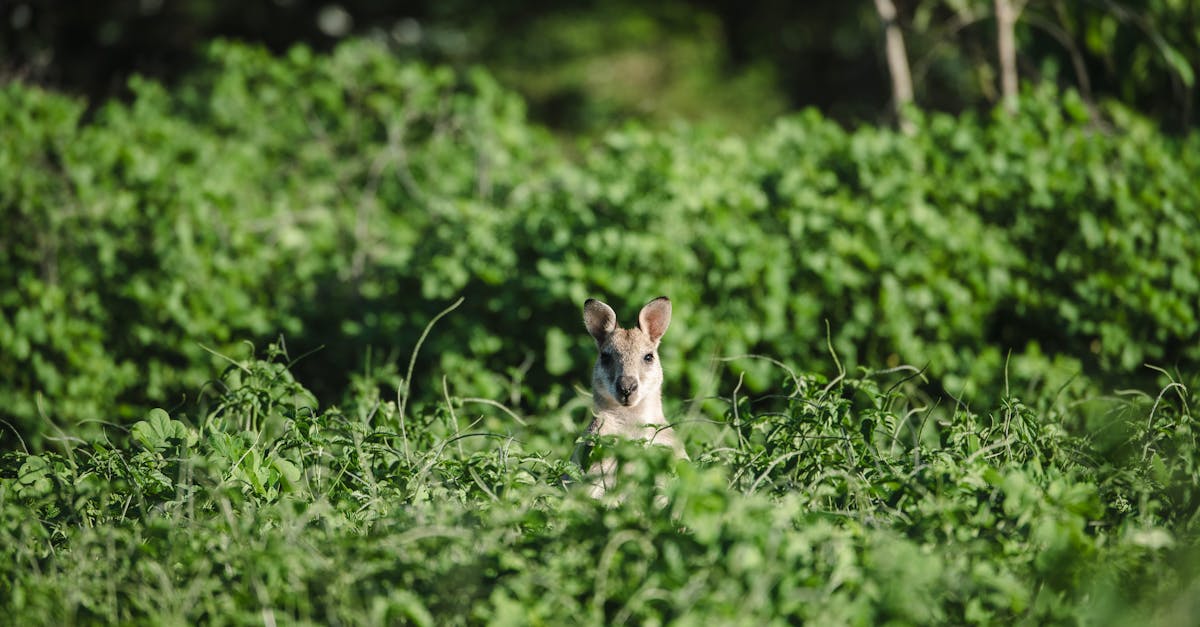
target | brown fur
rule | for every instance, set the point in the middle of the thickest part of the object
(627, 382)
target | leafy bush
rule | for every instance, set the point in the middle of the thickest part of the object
(828, 501)
(342, 200)
(200, 218)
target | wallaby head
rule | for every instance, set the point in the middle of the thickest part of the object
(627, 372)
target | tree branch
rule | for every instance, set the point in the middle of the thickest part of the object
(897, 60)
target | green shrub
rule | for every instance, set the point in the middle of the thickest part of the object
(827, 502)
(342, 200)
(261, 198)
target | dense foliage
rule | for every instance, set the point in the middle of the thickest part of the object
(156, 470)
(835, 502)
(343, 200)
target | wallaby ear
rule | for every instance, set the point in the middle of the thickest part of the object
(655, 317)
(599, 319)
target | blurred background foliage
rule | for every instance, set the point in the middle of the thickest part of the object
(167, 198)
(342, 200)
(583, 65)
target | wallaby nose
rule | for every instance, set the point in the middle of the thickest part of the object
(627, 386)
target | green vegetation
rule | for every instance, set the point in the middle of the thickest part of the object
(581, 65)
(157, 469)
(836, 502)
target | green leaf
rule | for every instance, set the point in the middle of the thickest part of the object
(34, 477)
(558, 358)
(287, 470)
(158, 431)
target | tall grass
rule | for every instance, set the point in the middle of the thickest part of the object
(832, 501)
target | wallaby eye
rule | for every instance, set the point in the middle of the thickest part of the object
(606, 358)
(649, 358)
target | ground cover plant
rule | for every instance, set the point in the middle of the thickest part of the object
(835, 501)
(908, 368)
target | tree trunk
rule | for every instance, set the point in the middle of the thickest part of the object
(897, 60)
(1006, 19)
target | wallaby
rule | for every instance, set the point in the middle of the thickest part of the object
(626, 383)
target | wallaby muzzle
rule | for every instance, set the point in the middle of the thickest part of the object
(626, 386)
